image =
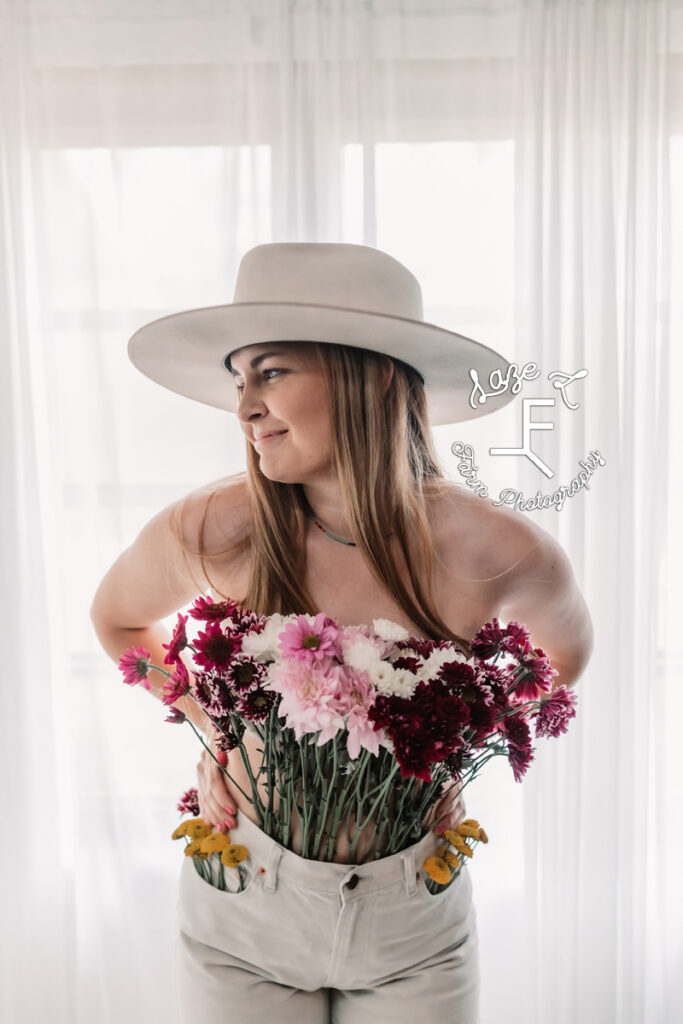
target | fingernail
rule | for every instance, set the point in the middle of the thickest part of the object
(230, 810)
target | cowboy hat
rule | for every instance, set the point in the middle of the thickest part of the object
(328, 292)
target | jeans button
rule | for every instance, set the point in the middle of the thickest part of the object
(353, 881)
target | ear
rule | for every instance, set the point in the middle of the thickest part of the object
(386, 372)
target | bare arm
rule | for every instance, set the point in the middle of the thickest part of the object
(541, 593)
(152, 579)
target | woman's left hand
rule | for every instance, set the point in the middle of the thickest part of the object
(450, 810)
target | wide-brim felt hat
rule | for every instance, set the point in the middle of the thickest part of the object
(328, 292)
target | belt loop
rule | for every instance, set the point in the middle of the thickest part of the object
(408, 859)
(274, 859)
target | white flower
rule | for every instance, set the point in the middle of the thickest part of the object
(265, 644)
(392, 682)
(389, 630)
(436, 659)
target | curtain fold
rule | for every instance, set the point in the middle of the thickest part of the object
(524, 160)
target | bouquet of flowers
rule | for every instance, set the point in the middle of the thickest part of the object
(358, 728)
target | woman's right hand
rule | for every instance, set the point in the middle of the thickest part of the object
(217, 805)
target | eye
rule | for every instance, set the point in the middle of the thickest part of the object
(240, 387)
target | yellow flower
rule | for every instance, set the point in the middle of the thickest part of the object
(451, 859)
(195, 828)
(471, 822)
(193, 847)
(460, 844)
(468, 830)
(233, 855)
(217, 841)
(438, 870)
(483, 838)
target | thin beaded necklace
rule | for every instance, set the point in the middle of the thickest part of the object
(329, 533)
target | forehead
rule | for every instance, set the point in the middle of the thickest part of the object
(244, 358)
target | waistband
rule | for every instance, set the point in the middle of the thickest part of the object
(330, 877)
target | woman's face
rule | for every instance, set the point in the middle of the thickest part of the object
(281, 390)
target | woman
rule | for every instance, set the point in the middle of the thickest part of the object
(343, 509)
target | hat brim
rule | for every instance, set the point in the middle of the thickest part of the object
(185, 352)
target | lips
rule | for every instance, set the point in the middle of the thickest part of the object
(269, 437)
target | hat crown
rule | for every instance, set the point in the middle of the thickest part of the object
(329, 274)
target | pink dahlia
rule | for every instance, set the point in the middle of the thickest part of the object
(555, 712)
(310, 697)
(307, 640)
(178, 640)
(135, 663)
(356, 696)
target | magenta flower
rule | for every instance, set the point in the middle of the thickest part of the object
(309, 641)
(177, 685)
(555, 712)
(135, 663)
(516, 638)
(175, 717)
(534, 674)
(520, 749)
(189, 803)
(216, 649)
(206, 610)
(487, 641)
(178, 640)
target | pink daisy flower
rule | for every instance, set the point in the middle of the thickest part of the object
(309, 641)
(135, 663)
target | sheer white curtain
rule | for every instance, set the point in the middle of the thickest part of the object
(525, 160)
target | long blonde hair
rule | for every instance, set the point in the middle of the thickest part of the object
(387, 468)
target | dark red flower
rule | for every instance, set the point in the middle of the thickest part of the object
(216, 649)
(456, 674)
(256, 703)
(486, 642)
(214, 694)
(410, 664)
(209, 611)
(178, 640)
(245, 671)
(520, 750)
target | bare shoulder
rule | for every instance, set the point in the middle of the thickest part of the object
(483, 542)
(214, 516)
(162, 570)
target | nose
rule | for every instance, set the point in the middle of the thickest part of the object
(249, 405)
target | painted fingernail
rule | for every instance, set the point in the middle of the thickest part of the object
(230, 810)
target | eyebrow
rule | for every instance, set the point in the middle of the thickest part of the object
(258, 359)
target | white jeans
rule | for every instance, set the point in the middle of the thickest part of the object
(315, 943)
